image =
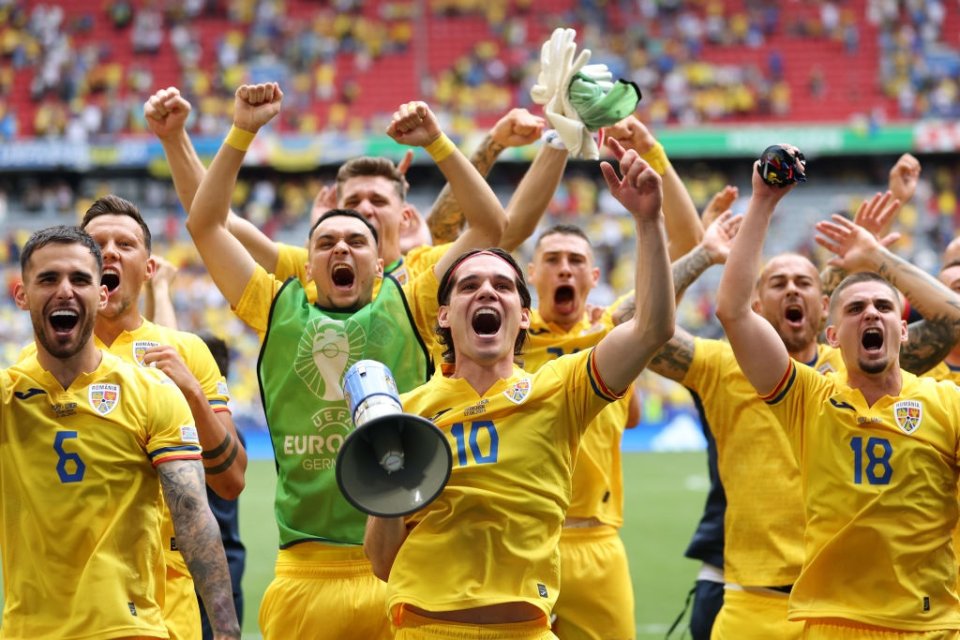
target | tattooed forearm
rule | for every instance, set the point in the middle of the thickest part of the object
(446, 218)
(688, 268)
(674, 359)
(929, 296)
(229, 446)
(198, 539)
(685, 271)
(830, 277)
(929, 341)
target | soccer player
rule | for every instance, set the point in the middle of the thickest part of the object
(482, 560)
(876, 446)
(88, 442)
(324, 586)
(763, 527)
(126, 243)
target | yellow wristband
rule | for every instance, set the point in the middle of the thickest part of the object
(440, 148)
(239, 139)
(657, 159)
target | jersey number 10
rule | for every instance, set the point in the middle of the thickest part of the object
(464, 439)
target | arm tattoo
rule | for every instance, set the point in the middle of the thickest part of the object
(685, 271)
(674, 359)
(688, 268)
(198, 539)
(830, 277)
(446, 217)
(218, 451)
(929, 342)
(228, 462)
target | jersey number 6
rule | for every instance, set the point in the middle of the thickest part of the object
(78, 467)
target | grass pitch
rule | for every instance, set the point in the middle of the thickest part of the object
(664, 499)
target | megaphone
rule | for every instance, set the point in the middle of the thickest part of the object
(393, 463)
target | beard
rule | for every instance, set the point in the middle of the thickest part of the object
(61, 350)
(873, 366)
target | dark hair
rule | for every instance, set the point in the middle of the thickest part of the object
(562, 229)
(111, 205)
(367, 166)
(857, 278)
(447, 283)
(220, 351)
(60, 234)
(350, 213)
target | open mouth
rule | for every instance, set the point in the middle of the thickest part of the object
(111, 280)
(872, 340)
(343, 276)
(486, 322)
(64, 320)
(794, 314)
(564, 298)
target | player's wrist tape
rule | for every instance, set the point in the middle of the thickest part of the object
(657, 159)
(239, 139)
(440, 148)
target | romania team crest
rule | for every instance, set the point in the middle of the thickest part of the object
(140, 348)
(104, 397)
(908, 414)
(518, 391)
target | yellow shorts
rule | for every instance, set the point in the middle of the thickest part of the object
(847, 630)
(416, 627)
(752, 615)
(324, 591)
(181, 611)
(596, 593)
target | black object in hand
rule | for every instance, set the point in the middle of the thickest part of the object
(779, 166)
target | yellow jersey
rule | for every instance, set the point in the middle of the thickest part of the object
(880, 489)
(491, 536)
(763, 525)
(81, 507)
(598, 472)
(130, 346)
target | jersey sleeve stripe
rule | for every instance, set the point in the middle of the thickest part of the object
(186, 450)
(170, 458)
(599, 387)
(786, 382)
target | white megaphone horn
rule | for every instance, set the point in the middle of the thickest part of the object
(393, 463)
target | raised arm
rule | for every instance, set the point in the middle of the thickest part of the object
(198, 538)
(225, 459)
(874, 214)
(533, 195)
(713, 249)
(932, 338)
(623, 353)
(229, 263)
(158, 301)
(762, 356)
(684, 229)
(517, 128)
(674, 359)
(166, 113)
(415, 124)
